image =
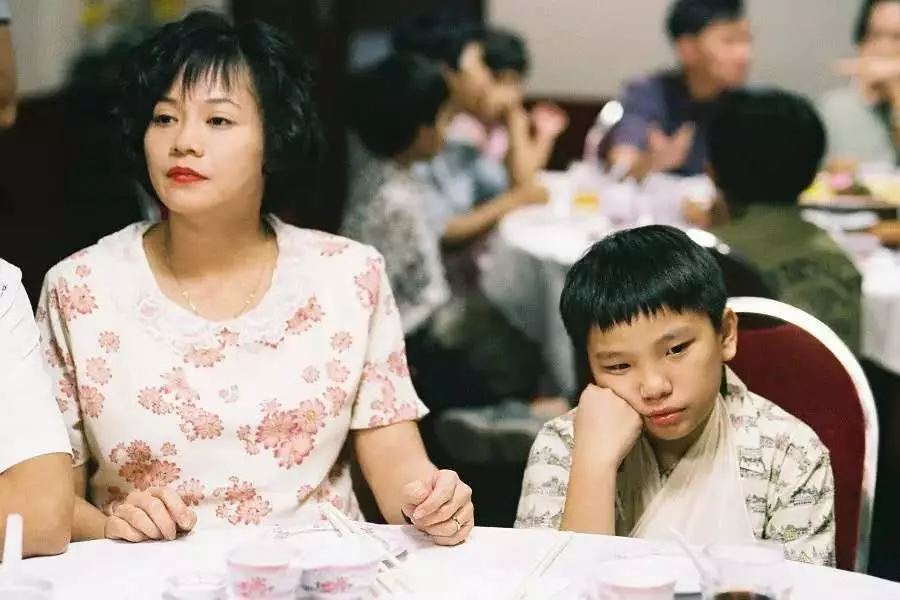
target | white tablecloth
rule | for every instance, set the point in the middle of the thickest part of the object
(490, 565)
(524, 272)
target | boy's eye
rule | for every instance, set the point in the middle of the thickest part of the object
(679, 349)
(616, 368)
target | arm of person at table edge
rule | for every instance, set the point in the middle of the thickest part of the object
(484, 216)
(39, 489)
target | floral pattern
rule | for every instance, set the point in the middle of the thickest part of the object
(245, 420)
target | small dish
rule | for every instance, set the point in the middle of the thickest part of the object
(339, 566)
(307, 537)
(263, 571)
(656, 577)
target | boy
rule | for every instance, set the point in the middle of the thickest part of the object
(765, 148)
(461, 351)
(667, 436)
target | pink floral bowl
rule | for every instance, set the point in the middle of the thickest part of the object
(263, 572)
(342, 567)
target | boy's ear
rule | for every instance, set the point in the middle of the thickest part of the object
(729, 334)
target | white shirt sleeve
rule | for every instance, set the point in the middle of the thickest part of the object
(5, 15)
(30, 421)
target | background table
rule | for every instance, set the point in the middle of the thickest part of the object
(490, 564)
(524, 269)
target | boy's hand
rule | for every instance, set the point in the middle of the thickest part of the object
(606, 426)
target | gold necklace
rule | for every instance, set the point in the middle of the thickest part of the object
(248, 302)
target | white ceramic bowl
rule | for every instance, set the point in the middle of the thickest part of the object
(339, 566)
(263, 571)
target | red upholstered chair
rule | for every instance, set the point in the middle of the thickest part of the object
(797, 362)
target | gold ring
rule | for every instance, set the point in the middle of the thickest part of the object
(458, 525)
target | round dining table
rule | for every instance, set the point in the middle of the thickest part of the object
(491, 564)
(524, 268)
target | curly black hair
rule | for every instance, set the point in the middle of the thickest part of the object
(205, 44)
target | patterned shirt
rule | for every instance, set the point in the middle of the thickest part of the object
(387, 210)
(785, 473)
(245, 418)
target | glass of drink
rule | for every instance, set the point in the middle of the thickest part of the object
(746, 571)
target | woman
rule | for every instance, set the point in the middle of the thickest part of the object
(214, 366)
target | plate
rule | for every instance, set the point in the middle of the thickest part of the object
(305, 536)
(846, 203)
(687, 578)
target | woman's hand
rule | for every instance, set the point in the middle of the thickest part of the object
(156, 514)
(441, 508)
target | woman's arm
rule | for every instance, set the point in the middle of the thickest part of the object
(405, 482)
(89, 523)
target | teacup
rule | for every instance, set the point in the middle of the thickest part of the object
(340, 567)
(263, 571)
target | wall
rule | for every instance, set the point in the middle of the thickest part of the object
(587, 48)
(46, 36)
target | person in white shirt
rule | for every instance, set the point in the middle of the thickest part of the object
(35, 476)
(220, 366)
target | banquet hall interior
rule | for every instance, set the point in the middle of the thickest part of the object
(622, 139)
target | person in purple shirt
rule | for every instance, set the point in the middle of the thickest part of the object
(666, 114)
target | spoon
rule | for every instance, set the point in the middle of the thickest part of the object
(703, 567)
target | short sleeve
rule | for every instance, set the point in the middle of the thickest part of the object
(385, 395)
(5, 15)
(802, 505)
(58, 360)
(29, 419)
(642, 105)
(546, 479)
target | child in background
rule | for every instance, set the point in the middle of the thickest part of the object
(461, 351)
(667, 436)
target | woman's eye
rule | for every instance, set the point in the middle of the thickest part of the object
(162, 119)
(220, 121)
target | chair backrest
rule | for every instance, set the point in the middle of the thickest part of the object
(797, 362)
(742, 278)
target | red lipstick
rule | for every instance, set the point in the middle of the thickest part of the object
(180, 174)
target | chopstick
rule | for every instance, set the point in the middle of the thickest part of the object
(345, 525)
(541, 568)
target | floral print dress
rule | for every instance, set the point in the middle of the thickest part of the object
(245, 418)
